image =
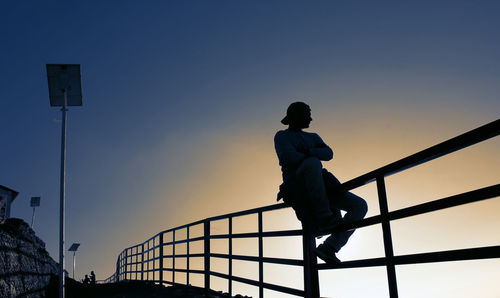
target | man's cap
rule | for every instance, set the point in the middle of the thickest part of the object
(294, 109)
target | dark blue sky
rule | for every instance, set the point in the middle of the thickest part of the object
(168, 85)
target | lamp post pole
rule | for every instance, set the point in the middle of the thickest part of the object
(33, 218)
(62, 196)
(74, 263)
(35, 202)
(65, 89)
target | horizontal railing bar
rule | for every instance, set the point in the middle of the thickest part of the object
(354, 264)
(134, 255)
(256, 234)
(151, 249)
(186, 225)
(167, 231)
(281, 289)
(144, 261)
(146, 241)
(134, 263)
(453, 201)
(184, 270)
(488, 252)
(250, 211)
(464, 140)
(175, 270)
(241, 235)
(282, 233)
(484, 193)
(256, 259)
(184, 241)
(194, 239)
(196, 271)
(149, 270)
(185, 256)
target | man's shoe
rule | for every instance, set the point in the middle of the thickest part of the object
(327, 254)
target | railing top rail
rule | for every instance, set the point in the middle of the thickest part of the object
(249, 211)
(464, 140)
(194, 223)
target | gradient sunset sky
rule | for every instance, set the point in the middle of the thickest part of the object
(181, 101)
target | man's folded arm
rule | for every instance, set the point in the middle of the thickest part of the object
(287, 154)
(320, 149)
(325, 154)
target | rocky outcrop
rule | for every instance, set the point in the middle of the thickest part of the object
(25, 266)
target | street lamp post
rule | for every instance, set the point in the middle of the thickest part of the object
(74, 248)
(65, 89)
(35, 202)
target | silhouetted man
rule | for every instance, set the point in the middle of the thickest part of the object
(312, 191)
(92, 278)
(86, 280)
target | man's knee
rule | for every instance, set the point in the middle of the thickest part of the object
(358, 204)
(363, 207)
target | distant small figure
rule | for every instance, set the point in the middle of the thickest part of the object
(92, 278)
(86, 280)
(314, 193)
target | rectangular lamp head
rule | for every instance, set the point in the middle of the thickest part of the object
(35, 202)
(74, 247)
(64, 77)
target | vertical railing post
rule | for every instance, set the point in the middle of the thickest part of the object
(173, 257)
(125, 265)
(160, 252)
(121, 266)
(206, 240)
(261, 255)
(230, 261)
(187, 256)
(142, 261)
(311, 282)
(136, 260)
(154, 258)
(386, 230)
(118, 268)
(147, 261)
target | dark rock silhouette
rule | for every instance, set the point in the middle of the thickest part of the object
(26, 268)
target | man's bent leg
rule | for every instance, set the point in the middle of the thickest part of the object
(356, 209)
(354, 205)
(309, 173)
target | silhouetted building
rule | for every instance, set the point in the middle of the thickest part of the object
(7, 196)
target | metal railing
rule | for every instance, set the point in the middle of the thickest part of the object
(108, 280)
(146, 261)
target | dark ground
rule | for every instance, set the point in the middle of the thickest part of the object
(131, 289)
